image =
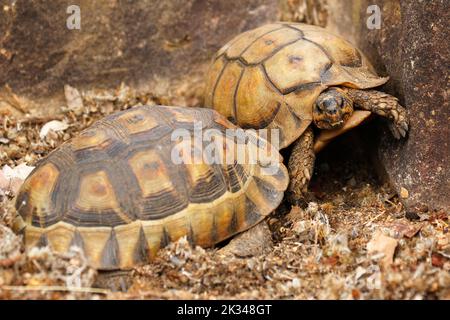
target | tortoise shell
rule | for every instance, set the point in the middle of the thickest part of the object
(269, 77)
(115, 192)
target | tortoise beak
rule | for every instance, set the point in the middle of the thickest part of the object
(337, 124)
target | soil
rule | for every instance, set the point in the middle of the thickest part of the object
(320, 250)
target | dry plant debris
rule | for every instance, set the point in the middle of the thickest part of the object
(11, 179)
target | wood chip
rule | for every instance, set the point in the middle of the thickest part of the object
(382, 244)
(404, 194)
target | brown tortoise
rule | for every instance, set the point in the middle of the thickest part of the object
(116, 192)
(286, 76)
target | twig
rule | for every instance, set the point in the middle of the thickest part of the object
(40, 120)
(56, 288)
(374, 218)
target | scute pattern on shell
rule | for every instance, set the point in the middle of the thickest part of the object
(270, 77)
(115, 191)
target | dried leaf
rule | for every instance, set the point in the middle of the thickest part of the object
(54, 125)
(359, 272)
(21, 171)
(11, 179)
(381, 244)
(404, 228)
(438, 260)
(404, 194)
(4, 141)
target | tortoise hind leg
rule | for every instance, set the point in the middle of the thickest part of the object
(251, 243)
(384, 105)
(301, 165)
(115, 280)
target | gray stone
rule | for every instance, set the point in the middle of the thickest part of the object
(150, 45)
(412, 48)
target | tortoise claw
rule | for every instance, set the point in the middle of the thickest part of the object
(405, 126)
(395, 131)
(399, 130)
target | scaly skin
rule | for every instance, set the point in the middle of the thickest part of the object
(382, 104)
(251, 243)
(116, 280)
(300, 166)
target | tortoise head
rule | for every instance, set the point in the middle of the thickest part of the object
(331, 109)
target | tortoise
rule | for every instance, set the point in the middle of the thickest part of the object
(117, 192)
(294, 77)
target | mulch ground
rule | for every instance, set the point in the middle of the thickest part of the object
(352, 241)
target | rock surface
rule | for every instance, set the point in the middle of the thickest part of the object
(148, 44)
(412, 48)
(420, 72)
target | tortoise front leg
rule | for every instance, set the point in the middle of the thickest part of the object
(300, 166)
(251, 243)
(382, 104)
